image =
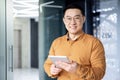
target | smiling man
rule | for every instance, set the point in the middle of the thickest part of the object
(85, 52)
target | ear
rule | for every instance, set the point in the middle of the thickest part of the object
(84, 18)
(64, 20)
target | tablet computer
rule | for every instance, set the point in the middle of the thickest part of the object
(59, 58)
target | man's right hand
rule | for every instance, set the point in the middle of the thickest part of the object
(55, 70)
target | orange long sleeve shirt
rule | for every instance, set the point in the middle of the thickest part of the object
(86, 50)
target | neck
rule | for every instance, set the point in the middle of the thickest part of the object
(73, 36)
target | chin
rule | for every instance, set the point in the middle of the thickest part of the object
(73, 32)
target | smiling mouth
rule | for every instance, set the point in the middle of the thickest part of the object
(73, 27)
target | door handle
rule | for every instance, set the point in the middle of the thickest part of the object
(11, 58)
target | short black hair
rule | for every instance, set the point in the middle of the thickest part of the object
(74, 6)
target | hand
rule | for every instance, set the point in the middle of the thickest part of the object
(69, 67)
(55, 70)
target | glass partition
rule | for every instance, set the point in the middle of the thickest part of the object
(2, 41)
(106, 28)
(50, 27)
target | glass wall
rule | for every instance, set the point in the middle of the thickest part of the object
(2, 41)
(106, 28)
(50, 27)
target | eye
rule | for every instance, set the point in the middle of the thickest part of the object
(68, 18)
(77, 18)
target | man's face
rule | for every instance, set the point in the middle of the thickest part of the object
(73, 20)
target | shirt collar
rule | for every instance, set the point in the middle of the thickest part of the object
(80, 36)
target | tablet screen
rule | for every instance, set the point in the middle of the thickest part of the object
(59, 58)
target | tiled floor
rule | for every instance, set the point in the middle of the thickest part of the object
(26, 74)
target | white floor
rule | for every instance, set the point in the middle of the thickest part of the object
(26, 74)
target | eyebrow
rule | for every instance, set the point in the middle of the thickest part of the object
(74, 16)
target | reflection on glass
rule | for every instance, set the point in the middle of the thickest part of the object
(25, 35)
(105, 23)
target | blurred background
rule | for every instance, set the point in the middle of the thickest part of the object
(27, 28)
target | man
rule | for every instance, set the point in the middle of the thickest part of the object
(85, 52)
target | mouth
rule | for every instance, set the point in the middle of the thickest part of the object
(73, 27)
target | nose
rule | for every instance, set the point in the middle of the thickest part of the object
(73, 21)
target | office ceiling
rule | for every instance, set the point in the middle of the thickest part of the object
(30, 8)
(26, 8)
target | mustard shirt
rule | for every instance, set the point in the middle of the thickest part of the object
(86, 50)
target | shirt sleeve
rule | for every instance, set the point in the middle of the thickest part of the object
(48, 62)
(96, 70)
(47, 65)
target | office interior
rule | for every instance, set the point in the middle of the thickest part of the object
(28, 27)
